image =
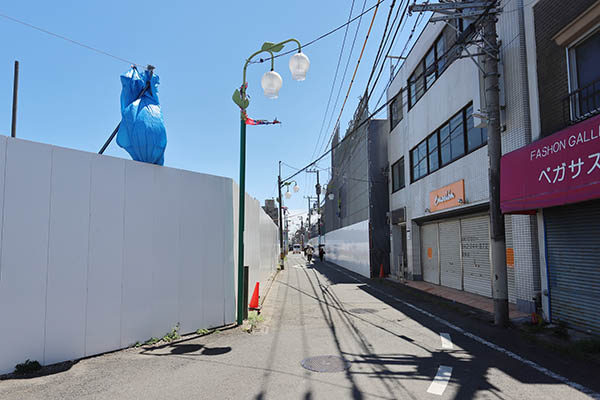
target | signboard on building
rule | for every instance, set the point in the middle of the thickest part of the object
(559, 169)
(448, 196)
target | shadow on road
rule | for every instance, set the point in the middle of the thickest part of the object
(44, 371)
(471, 366)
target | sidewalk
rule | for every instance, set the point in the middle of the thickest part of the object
(460, 296)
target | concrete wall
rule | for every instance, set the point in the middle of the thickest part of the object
(348, 247)
(97, 253)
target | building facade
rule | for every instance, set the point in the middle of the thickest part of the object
(439, 192)
(354, 226)
(557, 177)
(272, 211)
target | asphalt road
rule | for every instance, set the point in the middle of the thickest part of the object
(392, 345)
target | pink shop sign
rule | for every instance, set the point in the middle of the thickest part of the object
(560, 169)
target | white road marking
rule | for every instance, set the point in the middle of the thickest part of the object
(440, 381)
(509, 353)
(446, 341)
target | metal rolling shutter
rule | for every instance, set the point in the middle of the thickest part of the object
(450, 265)
(573, 257)
(429, 253)
(510, 253)
(475, 242)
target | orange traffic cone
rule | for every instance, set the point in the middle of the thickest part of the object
(254, 300)
(381, 273)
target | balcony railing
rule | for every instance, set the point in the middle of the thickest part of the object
(581, 104)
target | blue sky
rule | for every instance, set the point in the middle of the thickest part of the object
(69, 96)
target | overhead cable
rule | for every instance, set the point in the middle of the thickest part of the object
(334, 81)
(337, 98)
(375, 6)
(69, 40)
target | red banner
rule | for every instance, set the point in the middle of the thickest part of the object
(559, 169)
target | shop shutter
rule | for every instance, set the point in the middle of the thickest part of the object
(475, 243)
(510, 259)
(573, 258)
(429, 253)
(450, 265)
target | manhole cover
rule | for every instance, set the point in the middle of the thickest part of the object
(362, 310)
(325, 364)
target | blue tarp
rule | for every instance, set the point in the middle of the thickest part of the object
(142, 131)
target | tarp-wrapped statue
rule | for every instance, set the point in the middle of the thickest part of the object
(142, 131)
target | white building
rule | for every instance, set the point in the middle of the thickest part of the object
(439, 202)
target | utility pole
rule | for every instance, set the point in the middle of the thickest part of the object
(318, 191)
(309, 198)
(13, 128)
(281, 248)
(498, 241)
(481, 32)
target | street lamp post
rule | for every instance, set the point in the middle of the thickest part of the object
(271, 83)
(287, 195)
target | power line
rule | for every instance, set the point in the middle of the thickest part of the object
(356, 69)
(417, 20)
(69, 40)
(384, 38)
(370, 92)
(375, 6)
(334, 81)
(456, 45)
(337, 98)
(349, 134)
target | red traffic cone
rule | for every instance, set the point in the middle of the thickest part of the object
(254, 300)
(381, 273)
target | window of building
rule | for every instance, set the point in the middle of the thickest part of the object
(427, 71)
(440, 51)
(430, 68)
(419, 161)
(452, 140)
(475, 136)
(396, 111)
(417, 84)
(584, 77)
(457, 136)
(398, 175)
(433, 153)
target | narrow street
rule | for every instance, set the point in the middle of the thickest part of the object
(392, 347)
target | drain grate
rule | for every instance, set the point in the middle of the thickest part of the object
(362, 310)
(325, 364)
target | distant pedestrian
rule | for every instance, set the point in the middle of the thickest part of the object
(321, 252)
(309, 253)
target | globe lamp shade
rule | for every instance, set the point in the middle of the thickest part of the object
(296, 188)
(331, 196)
(271, 83)
(299, 65)
(288, 195)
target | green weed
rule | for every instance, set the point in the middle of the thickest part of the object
(27, 367)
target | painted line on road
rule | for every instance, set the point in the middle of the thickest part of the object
(470, 335)
(440, 381)
(446, 341)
